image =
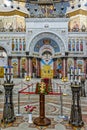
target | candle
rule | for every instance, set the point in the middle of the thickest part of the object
(76, 78)
(75, 71)
(12, 78)
(79, 79)
(71, 79)
(71, 71)
(79, 71)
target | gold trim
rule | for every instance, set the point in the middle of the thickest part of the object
(80, 11)
(14, 12)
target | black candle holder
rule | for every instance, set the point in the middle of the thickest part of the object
(83, 93)
(8, 111)
(76, 115)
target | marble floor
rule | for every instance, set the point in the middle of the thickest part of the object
(52, 108)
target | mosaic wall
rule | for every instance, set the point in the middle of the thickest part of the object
(12, 23)
(14, 63)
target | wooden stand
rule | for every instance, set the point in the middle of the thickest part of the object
(42, 120)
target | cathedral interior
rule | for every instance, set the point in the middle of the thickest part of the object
(44, 40)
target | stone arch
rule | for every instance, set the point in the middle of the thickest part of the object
(6, 46)
(3, 57)
(49, 35)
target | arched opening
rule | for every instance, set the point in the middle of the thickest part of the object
(47, 47)
(3, 61)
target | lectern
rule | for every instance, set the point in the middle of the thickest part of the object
(42, 120)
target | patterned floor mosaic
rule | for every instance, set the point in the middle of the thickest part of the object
(21, 119)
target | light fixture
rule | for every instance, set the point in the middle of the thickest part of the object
(5, 5)
(79, 5)
(12, 6)
(7, 2)
(72, 7)
(35, 9)
(28, 9)
(54, 9)
(18, 7)
(62, 8)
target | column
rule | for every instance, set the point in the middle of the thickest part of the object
(38, 68)
(30, 66)
(19, 66)
(27, 66)
(63, 66)
(54, 67)
(85, 67)
(75, 64)
(9, 60)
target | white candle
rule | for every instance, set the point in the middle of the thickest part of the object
(79, 79)
(75, 71)
(71, 71)
(12, 78)
(76, 78)
(79, 71)
(71, 79)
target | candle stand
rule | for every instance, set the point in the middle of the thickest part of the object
(83, 93)
(76, 115)
(75, 75)
(8, 112)
(61, 116)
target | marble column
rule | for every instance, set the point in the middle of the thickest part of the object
(19, 66)
(9, 60)
(54, 67)
(30, 66)
(85, 67)
(38, 68)
(63, 66)
(66, 67)
(27, 66)
(75, 64)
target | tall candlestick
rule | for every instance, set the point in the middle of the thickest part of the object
(75, 71)
(79, 79)
(71, 79)
(71, 71)
(75, 78)
(79, 71)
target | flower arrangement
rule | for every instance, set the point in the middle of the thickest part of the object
(29, 108)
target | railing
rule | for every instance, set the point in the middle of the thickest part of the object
(30, 89)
